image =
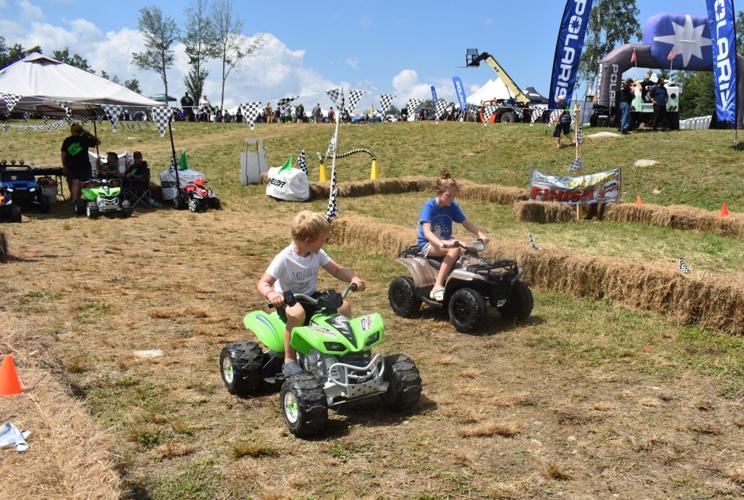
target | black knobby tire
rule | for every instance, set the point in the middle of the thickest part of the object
(178, 201)
(16, 214)
(303, 405)
(519, 304)
(91, 211)
(80, 207)
(402, 297)
(215, 203)
(508, 117)
(44, 204)
(240, 368)
(467, 310)
(404, 382)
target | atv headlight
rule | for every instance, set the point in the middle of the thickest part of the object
(372, 338)
(334, 346)
(31, 190)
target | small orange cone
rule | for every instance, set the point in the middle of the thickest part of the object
(724, 210)
(9, 383)
(639, 200)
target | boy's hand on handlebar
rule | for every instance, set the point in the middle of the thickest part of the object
(482, 236)
(275, 298)
(359, 282)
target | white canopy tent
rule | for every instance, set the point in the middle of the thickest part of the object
(41, 80)
(492, 89)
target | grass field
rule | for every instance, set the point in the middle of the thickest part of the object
(586, 398)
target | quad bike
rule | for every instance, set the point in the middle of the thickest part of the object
(27, 193)
(336, 354)
(102, 196)
(197, 196)
(8, 209)
(472, 284)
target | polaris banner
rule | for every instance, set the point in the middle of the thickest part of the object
(460, 91)
(568, 49)
(434, 102)
(721, 19)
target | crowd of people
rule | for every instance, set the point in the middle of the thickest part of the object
(649, 92)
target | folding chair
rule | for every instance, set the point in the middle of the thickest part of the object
(137, 191)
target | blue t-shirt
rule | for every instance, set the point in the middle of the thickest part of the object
(659, 94)
(440, 219)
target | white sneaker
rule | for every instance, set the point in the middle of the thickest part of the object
(437, 294)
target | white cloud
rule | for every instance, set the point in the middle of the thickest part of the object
(406, 85)
(30, 11)
(352, 62)
(3, 4)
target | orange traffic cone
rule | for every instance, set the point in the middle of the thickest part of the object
(724, 210)
(639, 200)
(9, 383)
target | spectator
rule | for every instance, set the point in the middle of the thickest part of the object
(659, 96)
(626, 98)
(331, 115)
(75, 161)
(317, 113)
(187, 103)
(205, 109)
(268, 113)
(300, 113)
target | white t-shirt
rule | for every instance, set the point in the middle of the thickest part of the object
(296, 273)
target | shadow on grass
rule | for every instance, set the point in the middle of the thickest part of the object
(494, 324)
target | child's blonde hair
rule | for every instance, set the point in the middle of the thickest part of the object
(309, 225)
(445, 182)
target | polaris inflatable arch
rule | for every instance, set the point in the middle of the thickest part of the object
(685, 34)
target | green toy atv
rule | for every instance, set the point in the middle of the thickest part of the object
(336, 355)
(102, 196)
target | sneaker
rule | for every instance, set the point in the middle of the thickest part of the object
(437, 294)
(290, 369)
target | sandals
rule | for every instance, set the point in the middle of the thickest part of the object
(437, 294)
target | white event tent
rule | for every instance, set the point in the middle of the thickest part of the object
(492, 89)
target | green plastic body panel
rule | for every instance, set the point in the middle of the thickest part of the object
(368, 331)
(268, 328)
(91, 194)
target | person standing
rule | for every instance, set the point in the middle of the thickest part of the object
(75, 161)
(331, 115)
(659, 97)
(317, 114)
(187, 104)
(626, 98)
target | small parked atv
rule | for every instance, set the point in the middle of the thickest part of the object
(472, 284)
(336, 354)
(197, 196)
(8, 210)
(27, 193)
(102, 196)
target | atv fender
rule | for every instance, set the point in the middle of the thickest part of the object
(422, 273)
(268, 328)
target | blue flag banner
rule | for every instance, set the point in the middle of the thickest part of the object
(460, 91)
(568, 49)
(722, 19)
(434, 102)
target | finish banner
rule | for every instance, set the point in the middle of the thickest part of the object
(568, 49)
(602, 187)
(460, 91)
(722, 19)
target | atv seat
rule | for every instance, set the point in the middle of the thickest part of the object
(435, 262)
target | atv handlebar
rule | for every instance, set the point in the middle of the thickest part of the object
(291, 299)
(476, 246)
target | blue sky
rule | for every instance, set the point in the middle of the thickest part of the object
(384, 47)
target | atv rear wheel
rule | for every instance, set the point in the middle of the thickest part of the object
(91, 210)
(215, 203)
(303, 405)
(467, 310)
(194, 205)
(404, 382)
(178, 201)
(402, 297)
(240, 368)
(16, 214)
(519, 304)
(80, 207)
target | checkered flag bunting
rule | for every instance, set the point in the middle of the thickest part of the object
(440, 108)
(554, 117)
(537, 113)
(579, 134)
(302, 161)
(385, 101)
(250, 112)
(113, 111)
(487, 112)
(354, 96)
(160, 115)
(533, 244)
(576, 165)
(10, 100)
(413, 105)
(26, 116)
(66, 107)
(286, 100)
(337, 98)
(332, 211)
(683, 266)
(519, 112)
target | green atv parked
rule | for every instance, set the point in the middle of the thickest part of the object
(102, 196)
(336, 355)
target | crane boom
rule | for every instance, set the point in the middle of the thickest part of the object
(474, 59)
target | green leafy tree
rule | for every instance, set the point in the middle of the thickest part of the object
(231, 44)
(740, 32)
(611, 22)
(74, 60)
(200, 40)
(159, 33)
(133, 85)
(14, 53)
(113, 78)
(698, 97)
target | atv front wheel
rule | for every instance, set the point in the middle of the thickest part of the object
(215, 203)
(402, 297)
(519, 304)
(404, 382)
(91, 211)
(80, 207)
(467, 310)
(240, 367)
(303, 405)
(16, 214)
(194, 205)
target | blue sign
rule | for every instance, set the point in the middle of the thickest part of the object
(679, 41)
(568, 50)
(460, 91)
(722, 20)
(433, 99)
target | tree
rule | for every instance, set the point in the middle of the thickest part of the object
(159, 33)
(74, 60)
(231, 46)
(611, 22)
(740, 32)
(200, 40)
(698, 97)
(14, 53)
(133, 85)
(113, 78)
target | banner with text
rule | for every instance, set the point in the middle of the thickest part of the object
(602, 187)
(568, 49)
(722, 19)
(460, 91)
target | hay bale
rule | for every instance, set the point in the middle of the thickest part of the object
(678, 217)
(543, 211)
(502, 195)
(709, 302)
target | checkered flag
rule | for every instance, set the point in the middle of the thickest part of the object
(10, 100)
(332, 211)
(385, 101)
(519, 112)
(413, 105)
(554, 117)
(337, 98)
(354, 96)
(113, 111)
(537, 113)
(66, 107)
(683, 266)
(440, 108)
(487, 112)
(6, 127)
(286, 100)
(579, 134)
(576, 165)
(302, 161)
(533, 244)
(160, 115)
(26, 115)
(250, 112)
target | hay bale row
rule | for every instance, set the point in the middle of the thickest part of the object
(543, 212)
(688, 300)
